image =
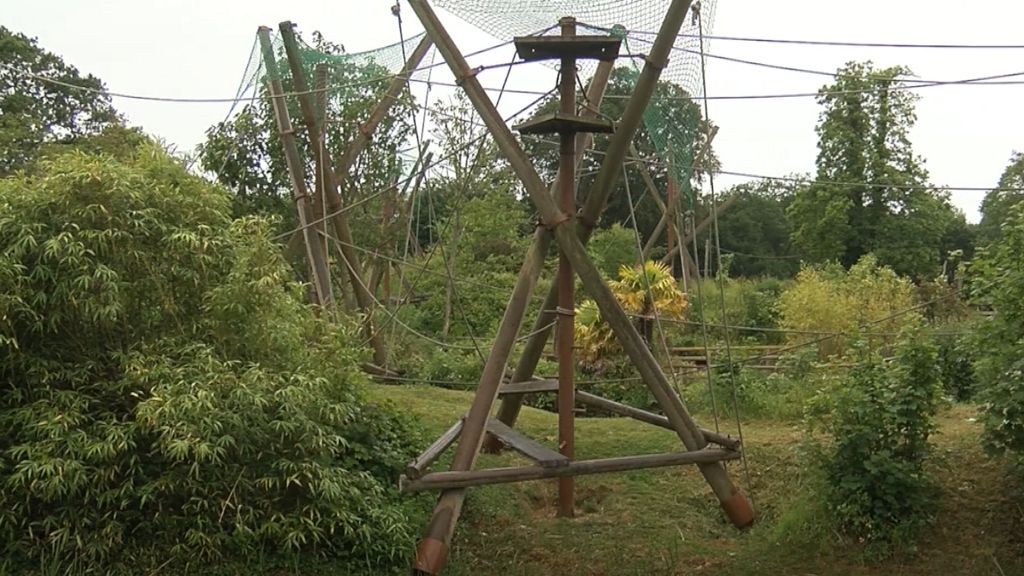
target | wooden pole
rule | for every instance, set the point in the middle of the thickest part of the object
(670, 215)
(508, 411)
(297, 173)
(319, 199)
(433, 549)
(380, 111)
(423, 461)
(700, 227)
(707, 260)
(314, 128)
(466, 479)
(608, 177)
(566, 279)
(621, 409)
(552, 218)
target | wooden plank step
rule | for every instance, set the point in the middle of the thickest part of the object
(587, 47)
(415, 468)
(541, 454)
(529, 387)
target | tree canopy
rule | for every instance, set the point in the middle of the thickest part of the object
(43, 99)
(997, 205)
(871, 192)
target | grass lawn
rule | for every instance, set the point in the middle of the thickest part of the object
(666, 522)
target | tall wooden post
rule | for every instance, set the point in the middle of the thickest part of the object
(319, 200)
(566, 279)
(297, 173)
(315, 128)
(433, 548)
(508, 411)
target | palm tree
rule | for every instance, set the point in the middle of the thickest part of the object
(641, 290)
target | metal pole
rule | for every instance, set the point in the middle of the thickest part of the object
(566, 280)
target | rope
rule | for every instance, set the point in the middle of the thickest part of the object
(647, 285)
(704, 328)
(979, 81)
(660, 164)
(720, 280)
(440, 246)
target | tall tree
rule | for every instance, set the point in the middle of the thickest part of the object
(756, 230)
(997, 204)
(871, 193)
(43, 99)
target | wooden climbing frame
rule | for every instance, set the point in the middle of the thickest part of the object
(570, 230)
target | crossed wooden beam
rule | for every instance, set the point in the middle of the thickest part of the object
(331, 174)
(570, 231)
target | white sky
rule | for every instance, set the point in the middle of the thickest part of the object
(195, 48)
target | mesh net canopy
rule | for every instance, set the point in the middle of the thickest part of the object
(674, 138)
(388, 60)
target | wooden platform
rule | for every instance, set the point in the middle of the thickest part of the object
(560, 123)
(534, 48)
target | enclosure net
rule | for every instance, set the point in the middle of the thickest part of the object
(377, 65)
(674, 136)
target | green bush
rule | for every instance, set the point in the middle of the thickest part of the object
(881, 419)
(957, 354)
(612, 248)
(997, 279)
(829, 299)
(748, 303)
(167, 395)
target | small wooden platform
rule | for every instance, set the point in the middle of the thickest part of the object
(534, 48)
(560, 123)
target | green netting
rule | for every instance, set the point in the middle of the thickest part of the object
(353, 77)
(673, 131)
(375, 66)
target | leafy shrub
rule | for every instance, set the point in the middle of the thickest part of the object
(998, 282)
(452, 367)
(829, 299)
(956, 363)
(881, 419)
(748, 303)
(167, 394)
(612, 248)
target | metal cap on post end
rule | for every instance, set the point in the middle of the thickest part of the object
(430, 557)
(739, 510)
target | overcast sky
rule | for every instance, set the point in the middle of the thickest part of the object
(194, 48)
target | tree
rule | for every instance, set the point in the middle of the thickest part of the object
(995, 208)
(997, 281)
(645, 292)
(471, 224)
(35, 109)
(871, 193)
(245, 153)
(166, 393)
(671, 109)
(756, 229)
